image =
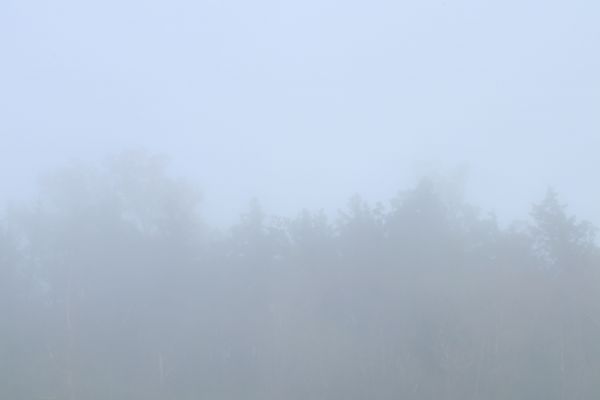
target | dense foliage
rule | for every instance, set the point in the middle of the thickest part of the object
(112, 287)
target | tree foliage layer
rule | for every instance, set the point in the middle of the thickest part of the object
(112, 287)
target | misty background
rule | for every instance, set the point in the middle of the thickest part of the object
(299, 200)
(302, 104)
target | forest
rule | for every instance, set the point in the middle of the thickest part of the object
(113, 287)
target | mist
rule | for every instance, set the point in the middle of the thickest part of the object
(304, 105)
(315, 199)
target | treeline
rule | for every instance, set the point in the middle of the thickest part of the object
(112, 287)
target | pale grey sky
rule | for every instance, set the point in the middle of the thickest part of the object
(303, 103)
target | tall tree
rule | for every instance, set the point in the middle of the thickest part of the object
(560, 238)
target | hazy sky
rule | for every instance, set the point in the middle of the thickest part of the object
(302, 103)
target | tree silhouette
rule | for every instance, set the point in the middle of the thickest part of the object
(560, 238)
(112, 287)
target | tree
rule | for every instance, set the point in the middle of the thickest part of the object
(560, 239)
(112, 243)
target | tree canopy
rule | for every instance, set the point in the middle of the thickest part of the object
(113, 287)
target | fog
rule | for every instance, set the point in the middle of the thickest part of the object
(317, 199)
(304, 104)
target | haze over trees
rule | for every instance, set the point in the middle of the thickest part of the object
(113, 287)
